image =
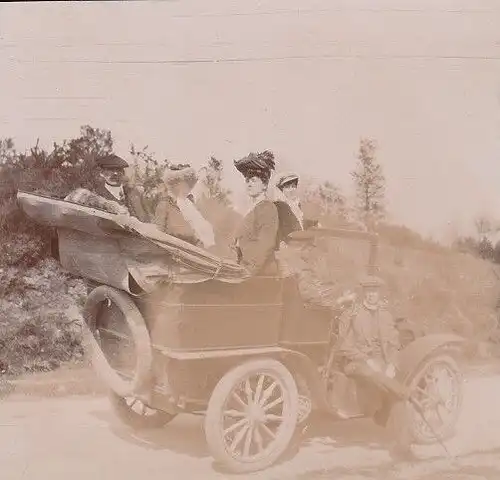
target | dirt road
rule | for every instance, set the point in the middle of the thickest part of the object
(79, 438)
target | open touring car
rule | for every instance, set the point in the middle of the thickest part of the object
(173, 329)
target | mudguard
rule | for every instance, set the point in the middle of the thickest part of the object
(302, 365)
(418, 350)
(134, 320)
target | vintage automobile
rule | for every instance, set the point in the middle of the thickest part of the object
(174, 329)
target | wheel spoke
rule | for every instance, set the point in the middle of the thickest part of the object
(239, 424)
(258, 389)
(234, 414)
(273, 418)
(258, 438)
(239, 437)
(267, 393)
(275, 402)
(239, 400)
(248, 441)
(268, 431)
(248, 391)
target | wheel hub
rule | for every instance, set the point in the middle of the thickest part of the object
(256, 413)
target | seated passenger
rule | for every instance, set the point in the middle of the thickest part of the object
(287, 185)
(112, 192)
(176, 213)
(256, 239)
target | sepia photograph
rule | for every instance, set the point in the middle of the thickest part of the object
(252, 239)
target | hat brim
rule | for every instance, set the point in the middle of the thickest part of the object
(186, 175)
(112, 162)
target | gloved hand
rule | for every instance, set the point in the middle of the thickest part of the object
(390, 371)
(347, 297)
(373, 365)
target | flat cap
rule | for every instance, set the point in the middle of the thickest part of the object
(371, 281)
(284, 180)
(111, 161)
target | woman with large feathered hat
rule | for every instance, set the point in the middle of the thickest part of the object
(256, 239)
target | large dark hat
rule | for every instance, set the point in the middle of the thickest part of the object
(288, 179)
(256, 165)
(111, 161)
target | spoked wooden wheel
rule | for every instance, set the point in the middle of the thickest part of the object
(252, 415)
(437, 390)
(137, 415)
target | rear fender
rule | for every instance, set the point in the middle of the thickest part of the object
(421, 348)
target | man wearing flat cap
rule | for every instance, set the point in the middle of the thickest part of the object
(369, 343)
(372, 336)
(112, 192)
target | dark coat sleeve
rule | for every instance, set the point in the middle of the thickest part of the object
(287, 221)
(135, 204)
(257, 241)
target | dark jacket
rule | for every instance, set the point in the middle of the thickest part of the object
(256, 239)
(288, 222)
(132, 200)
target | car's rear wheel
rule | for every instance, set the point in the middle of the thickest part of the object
(252, 415)
(437, 395)
(136, 414)
(118, 341)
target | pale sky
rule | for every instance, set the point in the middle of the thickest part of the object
(194, 78)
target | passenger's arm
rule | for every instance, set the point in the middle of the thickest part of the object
(137, 204)
(160, 217)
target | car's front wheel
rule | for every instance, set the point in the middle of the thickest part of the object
(252, 415)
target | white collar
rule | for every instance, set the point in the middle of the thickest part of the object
(115, 191)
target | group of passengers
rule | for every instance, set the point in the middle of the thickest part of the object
(369, 337)
(263, 229)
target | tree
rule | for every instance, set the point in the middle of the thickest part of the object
(148, 174)
(483, 225)
(370, 184)
(7, 151)
(212, 181)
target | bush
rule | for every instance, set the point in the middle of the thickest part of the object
(39, 318)
(67, 167)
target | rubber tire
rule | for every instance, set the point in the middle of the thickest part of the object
(140, 334)
(448, 432)
(136, 421)
(219, 395)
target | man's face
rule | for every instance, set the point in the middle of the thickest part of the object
(255, 186)
(113, 176)
(372, 295)
(290, 191)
